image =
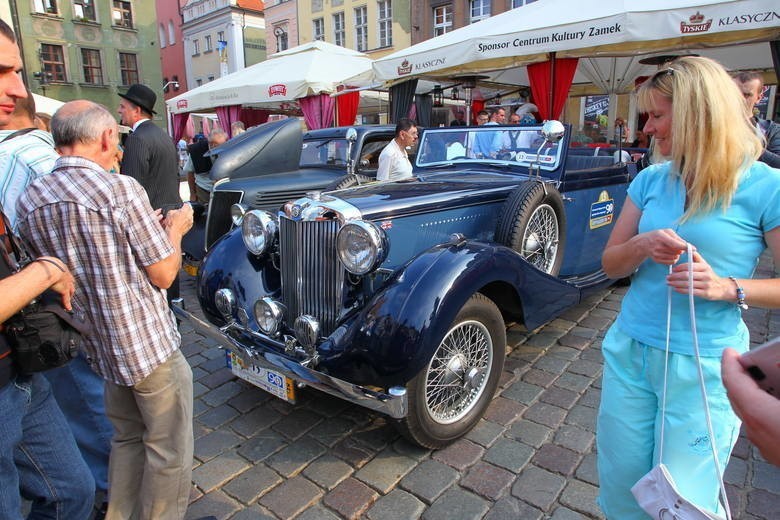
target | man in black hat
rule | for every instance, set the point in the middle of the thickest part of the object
(150, 155)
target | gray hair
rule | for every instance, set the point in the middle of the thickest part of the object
(80, 122)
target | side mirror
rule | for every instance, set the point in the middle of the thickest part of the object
(553, 131)
(352, 135)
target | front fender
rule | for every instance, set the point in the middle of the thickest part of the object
(395, 335)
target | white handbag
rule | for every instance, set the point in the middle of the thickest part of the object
(656, 492)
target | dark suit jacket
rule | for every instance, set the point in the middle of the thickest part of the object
(151, 159)
(199, 163)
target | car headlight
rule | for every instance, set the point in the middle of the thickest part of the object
(362, 246)
(269, 315)
(258, 229)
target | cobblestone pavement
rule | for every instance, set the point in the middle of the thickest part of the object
(531, 457)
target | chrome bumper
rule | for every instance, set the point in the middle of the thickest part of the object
(393, 404)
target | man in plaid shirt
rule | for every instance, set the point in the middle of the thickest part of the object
(123, 258)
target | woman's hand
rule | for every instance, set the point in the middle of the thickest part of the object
(706, 284)
(662, 246)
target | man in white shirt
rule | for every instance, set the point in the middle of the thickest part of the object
(394, 161)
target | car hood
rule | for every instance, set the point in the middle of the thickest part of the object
(293, 180)
(270, 148)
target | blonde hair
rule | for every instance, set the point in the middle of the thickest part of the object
(713, 138)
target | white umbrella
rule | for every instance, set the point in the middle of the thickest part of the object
(46, 105)
(313, 68)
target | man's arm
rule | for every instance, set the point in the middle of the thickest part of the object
(20, 288)
(176, 224)
(771, 154)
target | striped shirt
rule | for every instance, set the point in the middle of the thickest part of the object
(22, 159)
(104, 229)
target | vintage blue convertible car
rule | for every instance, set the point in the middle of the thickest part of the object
(394, 295)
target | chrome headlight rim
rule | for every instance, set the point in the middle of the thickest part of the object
(258, 230)
(377, 246)
(276, 310)
(237, 212)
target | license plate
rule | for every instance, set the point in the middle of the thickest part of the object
(272, 382)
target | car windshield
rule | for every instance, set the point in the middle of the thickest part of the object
(509, 145)
(324, 152)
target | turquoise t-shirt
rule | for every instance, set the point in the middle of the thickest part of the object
(729, 241)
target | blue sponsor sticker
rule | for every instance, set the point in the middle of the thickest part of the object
(602, 212)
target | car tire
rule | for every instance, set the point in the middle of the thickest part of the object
(533, 223)
(467, 364)
(348, 181)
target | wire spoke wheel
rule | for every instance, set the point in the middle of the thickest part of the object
(541, 237)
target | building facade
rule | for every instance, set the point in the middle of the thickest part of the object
(220, 37)
(174, 71)
(281, 20)
(89, 49)
(376, 27)
(436, 17)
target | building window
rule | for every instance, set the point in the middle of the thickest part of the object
(171, 33)
(128, 66)
(195, 47)
(361, 29)
(90, 64)
(199, 82)
(385, 23)
(480, 9)
(53, 62)
(45, 6)
(221, 36)
(319, 29)
(282, 42)
(442, 19)
(207, 41)
(316, 6)
(84, 10)
(336, 3)
(162, 36)
(211, 78)
(338, 29)
(122, 14)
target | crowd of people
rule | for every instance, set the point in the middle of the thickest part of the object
(116, 421)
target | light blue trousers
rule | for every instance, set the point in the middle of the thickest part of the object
(629, 424)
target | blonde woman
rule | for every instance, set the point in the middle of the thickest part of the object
(707, 190)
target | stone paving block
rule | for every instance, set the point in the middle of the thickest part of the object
(503, 411)
(530, 433)
(352, 452)
(199, 407)
(329, 406)
(396, 505)
(457, 504)
(604, 313)
(576, 313)
(487, 480)
(611, 305)
(350, 498)
(259, 419)
(378, 434)
(581, 497)
(198, 390)
(560, 324)
(563, 352)
(413, 451)
(221, 394)
(595, 322)
(544, 339)
(586, 368)
(217, 378)
(511, 508)
(385, 470)
(574, 438)
(195, 361)
(537, 377)
(331, 431)
(736, 472)
(429, 479)
(218, 470)
(560, 397)
(254, 513)
(509, 454)
(215, 503)
(591, 398)
(485, 433)
(545, 414)
(767, 477)
(742, 448)
(212, 364)
(557, 459)
(588, 470)
(212, 444)
(217, 416)
(593, 353)
(327, 471)
(762, 504)
(291, 497)
(211, 351)
(527, 353)
(574, 382)
(564, 513)
(552, 364)
(538, 487)
(316, 513)
(574, 341)
(197, 373)
(583, 332)
(583, 416)
(522, 392)
(292, 459)
(460, 454)
(261, 446)
(248, 399)
(297, 423)
(253, 483)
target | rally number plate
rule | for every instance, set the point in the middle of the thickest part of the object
(272, 382)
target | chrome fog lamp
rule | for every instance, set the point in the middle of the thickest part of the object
(269, 315)
(237, 212)
(307, 330)
(258, 229)
(361, 246)
(225, 301)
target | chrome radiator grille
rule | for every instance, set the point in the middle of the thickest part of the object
(312, 276)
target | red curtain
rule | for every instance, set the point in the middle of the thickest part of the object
(553, 76)
(180, 126)
(254, 116)
(476, 107)
(317, 110)
(347, 108)
(228, 115)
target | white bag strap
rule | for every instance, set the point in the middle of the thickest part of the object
(710, 431)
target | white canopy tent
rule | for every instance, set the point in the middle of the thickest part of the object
(313, 68)
(46, 105)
